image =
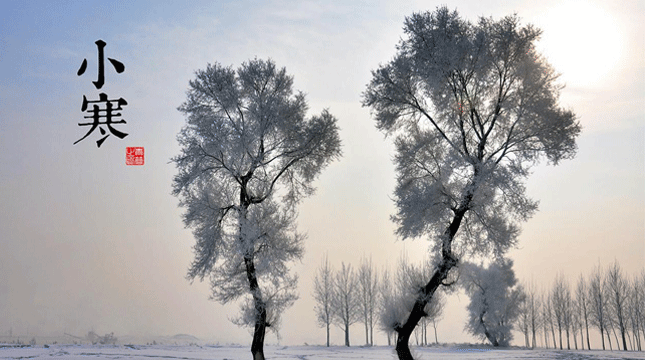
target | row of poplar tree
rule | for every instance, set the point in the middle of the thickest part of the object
(364, 295)
(607, 300)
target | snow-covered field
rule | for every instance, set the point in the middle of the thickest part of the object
(87, 352)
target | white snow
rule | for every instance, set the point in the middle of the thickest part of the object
(194, 352)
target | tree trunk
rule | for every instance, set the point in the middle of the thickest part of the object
(616, 336)
(257, 346)
(491, 338)
(637, 337)
(448, 261)
(434, 325)
(327, 334)
(587, 330)
(425, 333)
(259, 331)
(402, 348)
(622, 332)
(346, 334)
(367, 333)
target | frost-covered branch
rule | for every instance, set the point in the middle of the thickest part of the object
(246, 140)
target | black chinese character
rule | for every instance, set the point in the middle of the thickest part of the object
(118, 66)
(109, 116)
(109, 111)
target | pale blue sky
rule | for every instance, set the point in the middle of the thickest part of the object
(88, 242)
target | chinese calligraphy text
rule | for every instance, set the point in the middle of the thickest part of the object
(103, 108)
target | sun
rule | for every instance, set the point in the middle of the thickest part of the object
(583, 42)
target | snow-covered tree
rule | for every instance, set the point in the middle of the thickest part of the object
(408, 280)
(247, 141)
(324, 295)
(367, 293)
(473, 106)
(495, 300)
(346, 300)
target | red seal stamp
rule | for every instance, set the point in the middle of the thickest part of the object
(134, 155)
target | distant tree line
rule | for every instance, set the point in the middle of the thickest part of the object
(347, 296)
(607, 300)
(561, 317)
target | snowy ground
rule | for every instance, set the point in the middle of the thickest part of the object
(138, 352)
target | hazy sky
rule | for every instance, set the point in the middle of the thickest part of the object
(87, 242)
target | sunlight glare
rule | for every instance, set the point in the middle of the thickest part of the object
(583, 42)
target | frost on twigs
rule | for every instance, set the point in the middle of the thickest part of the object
(397, 301)
(472, 107)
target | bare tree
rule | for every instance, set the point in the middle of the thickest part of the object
(346, 300)
(524, 320)
(617, 292)
(246, 140)
(368, 292)
(641, 319)
(324, 295)
(582, 299)
(532, 308)
(568, 311)
(560, 305)
(547, 318)
(434, 311)
(543, 316)
(434, 325)
(636, 300)
(557, 301)
(598, 303)
(640, 297)
(474, 106)
(387, 300)
(575, 322)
